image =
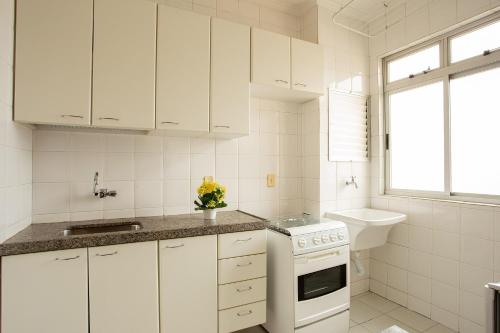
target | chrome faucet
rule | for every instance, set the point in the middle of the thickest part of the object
(103, 192)
(352, 181)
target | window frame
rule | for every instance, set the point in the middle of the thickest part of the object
(445, 73)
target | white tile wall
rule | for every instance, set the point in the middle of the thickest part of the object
(278, 19)
(159, 175)
(451, 249)
(15, 140)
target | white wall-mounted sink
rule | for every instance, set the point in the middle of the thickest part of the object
(367, 227)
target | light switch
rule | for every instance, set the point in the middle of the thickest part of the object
(208, 179)
(271, 180)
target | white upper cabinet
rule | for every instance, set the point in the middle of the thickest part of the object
(124, 64)
(188, 284)
(53, 67)
(123, 288)
(230, 79)
(45, 292)
(183, 70)
(270, 58)
(307, 66)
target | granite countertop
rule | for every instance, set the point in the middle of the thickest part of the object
(50, 237)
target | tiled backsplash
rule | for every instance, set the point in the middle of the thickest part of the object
(157, 175)
(15, 140)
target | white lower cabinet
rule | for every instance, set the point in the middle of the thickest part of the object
(188, 285)
(171, 286)
(242, 280)
(241, 317)
(45, 292)
(123, 288)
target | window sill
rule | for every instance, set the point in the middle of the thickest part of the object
(495, 203)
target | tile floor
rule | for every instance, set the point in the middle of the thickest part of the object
(371, 313)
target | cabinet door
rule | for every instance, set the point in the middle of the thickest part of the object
(124, 64)
(53, 61)
(45, 292)
(123, 288)
(188, 285)
(230, 78)
(270, 58)
(183, 70)
(307, 66)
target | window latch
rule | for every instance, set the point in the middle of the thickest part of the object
(386, 141)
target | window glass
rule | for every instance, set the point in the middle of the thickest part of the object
(475, 42)
(415, 63)
(417, 138)
(475, 133)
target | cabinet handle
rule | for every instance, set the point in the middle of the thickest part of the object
(281, 81)
(174, 247)
(242, 314)
(71, 116)
(222, 126)
(109, 118)
(66, 259)
(170, 122)
(106, 254)
(244, 240)
(244, 265)
(300, 84)
(242, 290)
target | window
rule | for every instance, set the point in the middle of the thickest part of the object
(410, 112)
(417, 63)
(476, 42)
(443, 118)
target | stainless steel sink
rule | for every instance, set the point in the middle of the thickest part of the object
(101, 228)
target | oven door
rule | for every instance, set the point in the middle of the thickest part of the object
(321, 284)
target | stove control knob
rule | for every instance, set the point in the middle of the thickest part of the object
(301, 242)
(325, 238)
(333, 237)
(340, 236)
(316, 240)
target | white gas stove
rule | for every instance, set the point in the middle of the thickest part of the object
(308, 276)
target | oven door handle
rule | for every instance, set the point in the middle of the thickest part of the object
(323, 256)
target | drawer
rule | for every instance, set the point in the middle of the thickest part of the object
(242, 268)
(242, 243)
(241, 317)
(239, 293)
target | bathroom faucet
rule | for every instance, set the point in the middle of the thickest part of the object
(352, 181)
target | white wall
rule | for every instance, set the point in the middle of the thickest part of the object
(157, 175)
(439, 260)
(15, 140)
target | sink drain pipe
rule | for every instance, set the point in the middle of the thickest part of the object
(358, 264)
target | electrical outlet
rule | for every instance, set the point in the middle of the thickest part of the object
(271, 180)
(208, 179)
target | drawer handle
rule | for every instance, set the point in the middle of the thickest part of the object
(244, 240)
(243, 290)
(222, 126)
(66, 259)
(281, 81)
(242, 314)
(109, 118)
(106, 254)
(174, 246)
(170, 122)
(71, 116)
(301, 84)
(244, 265)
